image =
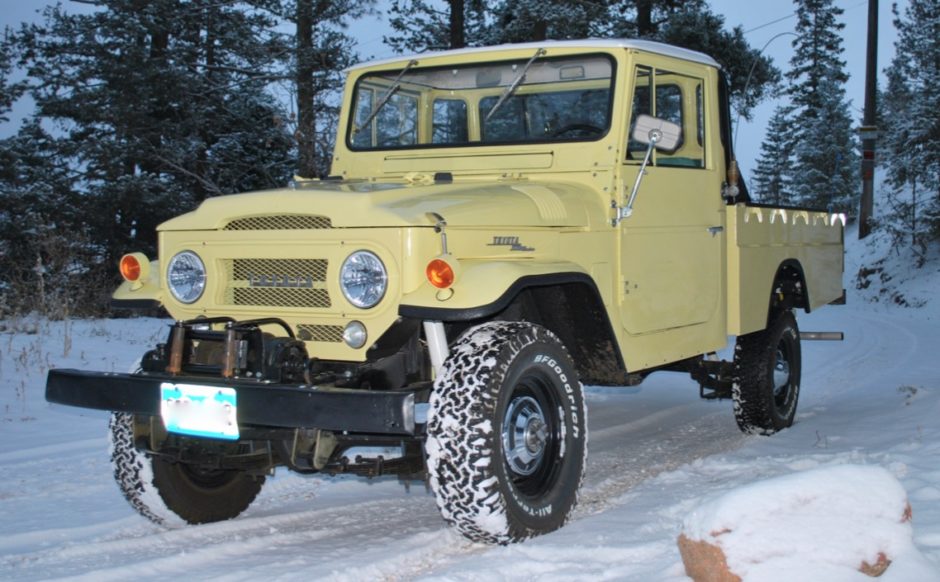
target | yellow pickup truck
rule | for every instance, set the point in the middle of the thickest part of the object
(500, 226)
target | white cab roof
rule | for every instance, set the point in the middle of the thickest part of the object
(641, 45)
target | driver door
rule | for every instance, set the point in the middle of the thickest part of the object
(671, 245)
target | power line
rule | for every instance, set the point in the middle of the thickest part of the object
(772, 22)
(792, 14)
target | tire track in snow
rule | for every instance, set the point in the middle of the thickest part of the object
(349, 534)
(873, 340)
(629, 447)
(318, 535)
(43, 453)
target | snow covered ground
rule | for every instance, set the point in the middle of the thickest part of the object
(657, 453)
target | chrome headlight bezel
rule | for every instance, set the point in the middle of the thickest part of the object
(363, 279)
(186, 277)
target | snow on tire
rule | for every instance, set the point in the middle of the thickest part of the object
(507, 433)
(133, 473)
(766, 381)
(173, 494)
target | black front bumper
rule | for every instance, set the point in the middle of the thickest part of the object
(259, 404)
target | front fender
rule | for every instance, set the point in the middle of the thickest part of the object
(143, 294)
(486, 287)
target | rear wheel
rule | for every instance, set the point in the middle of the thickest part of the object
(766, 384)
(172, 493)
(507, 433)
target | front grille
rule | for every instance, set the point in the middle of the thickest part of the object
(277, 283)
(243, 269)
(320, 333)
(280, 222)
(281, 297)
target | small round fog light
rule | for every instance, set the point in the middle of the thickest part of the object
(355, 335)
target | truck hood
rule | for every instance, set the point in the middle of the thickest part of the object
(370, 204)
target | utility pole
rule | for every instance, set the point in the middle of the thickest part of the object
(868, 131)
(457, 33)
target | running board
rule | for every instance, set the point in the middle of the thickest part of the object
(823, 336)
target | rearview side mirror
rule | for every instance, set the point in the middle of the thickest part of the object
(656, 134)
(661, 134)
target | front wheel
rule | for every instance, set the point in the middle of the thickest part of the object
(171, 493)
(507, 433)
(766, 383)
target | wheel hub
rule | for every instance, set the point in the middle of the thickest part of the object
(525, 435)
(781, 373)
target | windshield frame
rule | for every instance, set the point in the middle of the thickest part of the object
(386, 77)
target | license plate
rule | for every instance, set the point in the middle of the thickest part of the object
(203, 411)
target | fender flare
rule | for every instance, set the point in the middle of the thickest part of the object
(794, 266)
(424, 305)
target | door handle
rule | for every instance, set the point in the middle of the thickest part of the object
(713, 230)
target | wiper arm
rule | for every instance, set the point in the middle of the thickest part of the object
(396, 85)
(507, 93)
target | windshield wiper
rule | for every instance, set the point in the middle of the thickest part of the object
(396, 85)
(507, 93)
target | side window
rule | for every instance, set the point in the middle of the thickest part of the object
(449, 121)
(396, 124)
(642, 92)
(364, 101)
(676, 98)
(700, 115)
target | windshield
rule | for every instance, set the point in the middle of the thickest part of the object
(554, 99)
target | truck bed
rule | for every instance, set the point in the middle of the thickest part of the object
(761, 239)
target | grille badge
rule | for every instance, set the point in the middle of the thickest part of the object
(281, 281)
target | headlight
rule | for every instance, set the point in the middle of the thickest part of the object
(363, 279)
(186, 277)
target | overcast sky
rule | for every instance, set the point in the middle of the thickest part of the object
(762, 19)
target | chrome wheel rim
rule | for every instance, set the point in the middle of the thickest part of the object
(525, 434)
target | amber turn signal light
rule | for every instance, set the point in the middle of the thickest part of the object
(440, 273)
(130, 268)
(134, 267)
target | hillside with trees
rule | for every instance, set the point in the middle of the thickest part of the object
(143, 109)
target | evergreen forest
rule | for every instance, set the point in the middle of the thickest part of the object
(145, 108)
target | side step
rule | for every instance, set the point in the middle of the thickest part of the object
(822, 336)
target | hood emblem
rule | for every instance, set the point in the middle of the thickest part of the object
(510, 241)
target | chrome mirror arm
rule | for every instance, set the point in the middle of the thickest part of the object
(624, 212)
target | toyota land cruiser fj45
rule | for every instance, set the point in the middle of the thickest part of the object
(500, 226)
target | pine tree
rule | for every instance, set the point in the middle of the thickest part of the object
(535, 20)
(911, 140)
(433, 25)
(10, 91)
(320, 53)
(646, 18)
(775, 164)
(825, 175)
(42, 230)
(156, 104)
(752, 76)
(826, 161)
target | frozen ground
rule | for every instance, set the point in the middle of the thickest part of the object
(657, 453)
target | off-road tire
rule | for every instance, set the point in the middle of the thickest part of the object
(488, 489)
(766, 382)
(172, 494)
